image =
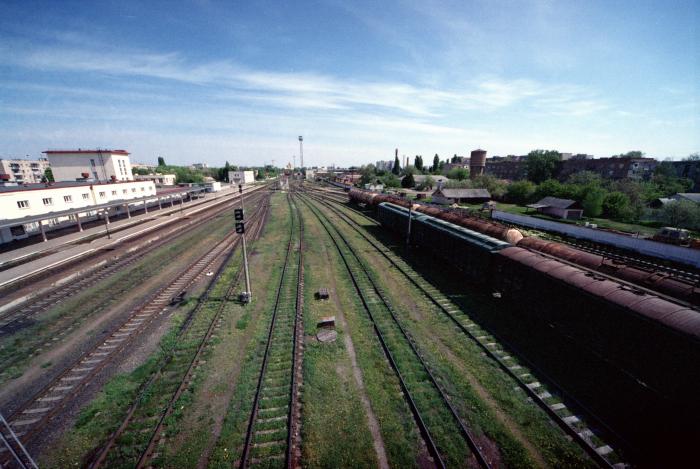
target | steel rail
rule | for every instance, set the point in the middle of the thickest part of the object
(147, 310)
(184, 327)
(575, 435)
(466, 433)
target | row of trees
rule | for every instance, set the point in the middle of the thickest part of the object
(186, 174)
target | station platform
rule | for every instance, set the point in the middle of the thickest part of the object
(30, 260)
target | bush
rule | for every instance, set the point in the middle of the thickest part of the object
(520, 192)
(407, 182)
(459, 174)
(593, 201)
(682, 214)
(616, 205)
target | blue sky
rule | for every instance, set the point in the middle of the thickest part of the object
(240, 80)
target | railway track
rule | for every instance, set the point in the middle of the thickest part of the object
(32, 417)
(160, 394)
(21, 316)
(592, 440)
(439, 423)
(272, 434)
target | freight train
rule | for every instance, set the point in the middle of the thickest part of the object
(661, 282)
(653, 340)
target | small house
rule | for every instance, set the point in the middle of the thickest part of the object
(460, 196)
(561, 208)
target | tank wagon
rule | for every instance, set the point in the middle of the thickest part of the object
(650, 338)
(648, 278)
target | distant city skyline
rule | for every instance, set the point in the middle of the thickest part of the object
(210, 82)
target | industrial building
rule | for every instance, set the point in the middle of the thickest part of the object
(611, 168)
(241, 177)
(23, 171)
(460, 196)
(560, 208)
(23, 204)
(90, 165)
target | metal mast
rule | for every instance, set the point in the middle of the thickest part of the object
(249, 292)
(301, 151)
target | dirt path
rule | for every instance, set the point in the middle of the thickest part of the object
(372, 421)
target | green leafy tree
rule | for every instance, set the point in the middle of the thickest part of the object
(161, 161)
(543, 165)
(141, 171)
(369, 173)
(593, 201)
(548, 188)
(418, 162)
(616, 205)
(48, 175)
(520, 192)
(682, 214)
(390, 180)
(454, 158)
(396, 169)
(436, 163)
(408, 181)
(630, 154)
(459, 174)
(496, 187)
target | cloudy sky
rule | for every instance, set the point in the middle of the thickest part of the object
(208, 81)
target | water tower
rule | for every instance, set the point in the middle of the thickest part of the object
(477, 163)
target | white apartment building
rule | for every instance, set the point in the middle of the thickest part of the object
(95, 165)
(23, 171)
(158, 179)
(20, 202)
(241, 177)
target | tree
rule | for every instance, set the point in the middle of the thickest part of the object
(616, 205)
(630, 154)
(161, 161)
(543, 165)
(454, 159)
(48, 175)
(692, 157)
(459, 174)
(593, 202)
(407, 182)
(397, 166)
(390, 180)
(436, 163)
(520, 192)
(681, 214)
(418, 162)
(369, 173)
(548, 188)
(429, 182)
(496, 187)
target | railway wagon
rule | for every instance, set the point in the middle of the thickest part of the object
(658, 281)
(468, 249)
(654, 340)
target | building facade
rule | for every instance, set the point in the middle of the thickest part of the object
(241, 177)
(505, 169)
(611, 168)
(23, 171)
(158, 179)
(19, 202)
(90, 165)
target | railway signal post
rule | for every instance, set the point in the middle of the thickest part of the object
(247, 295)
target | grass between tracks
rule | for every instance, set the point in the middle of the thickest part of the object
(397, 427)
(17, 350)
(334, 429)
(483, 393)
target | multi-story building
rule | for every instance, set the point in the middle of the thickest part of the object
(31, 200)
(611, 168)
(507, 169)
(23, 171)
(384, 165)
(86, 165)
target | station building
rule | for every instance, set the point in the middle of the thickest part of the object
(83, 165)
(241, 177)
(58, 204)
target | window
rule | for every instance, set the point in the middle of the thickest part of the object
(23, 203)
(114, 192)
(124, 191)
(48, 201)
(68, 198)
(102, 195)
(86, 196)
(133, 189)
(143, 189)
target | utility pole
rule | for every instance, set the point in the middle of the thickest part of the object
(408, 232)
(247, 295)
